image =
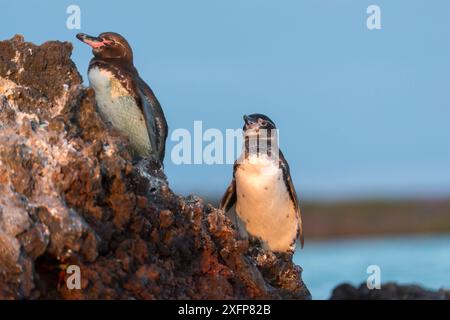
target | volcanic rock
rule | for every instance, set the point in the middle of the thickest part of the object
(70, 194)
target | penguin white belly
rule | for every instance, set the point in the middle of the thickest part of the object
(117, 106)
(264, 205)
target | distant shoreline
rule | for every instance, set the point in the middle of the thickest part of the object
(372, 218)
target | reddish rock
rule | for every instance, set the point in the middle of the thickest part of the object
(70, 194)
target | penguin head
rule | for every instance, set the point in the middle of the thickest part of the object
(258, 121)
(261, 136)
(108, 45)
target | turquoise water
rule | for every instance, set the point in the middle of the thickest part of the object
(423, 260)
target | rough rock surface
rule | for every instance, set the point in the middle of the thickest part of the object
(388, 291)
(70, 194)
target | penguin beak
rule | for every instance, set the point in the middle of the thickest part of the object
(94, 42)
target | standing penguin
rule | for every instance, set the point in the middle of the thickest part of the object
(123, 98)
(262, 190)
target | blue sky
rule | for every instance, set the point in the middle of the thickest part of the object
(361, 113)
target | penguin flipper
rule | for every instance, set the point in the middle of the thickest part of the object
(149, 121)
(161, 126)
(160, 123)
(229, 197)
(293, 194)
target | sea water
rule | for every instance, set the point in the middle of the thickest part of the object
(422, 260)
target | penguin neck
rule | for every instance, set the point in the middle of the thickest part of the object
(114, 63)
(256, 145)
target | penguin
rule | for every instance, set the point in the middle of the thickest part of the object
(266, 204)
(123, 98)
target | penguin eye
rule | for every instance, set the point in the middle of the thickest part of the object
(262, 122)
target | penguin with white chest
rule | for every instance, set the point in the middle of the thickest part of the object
(267, 207)
(123, 98)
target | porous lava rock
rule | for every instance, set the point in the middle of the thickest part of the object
(70, 194)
